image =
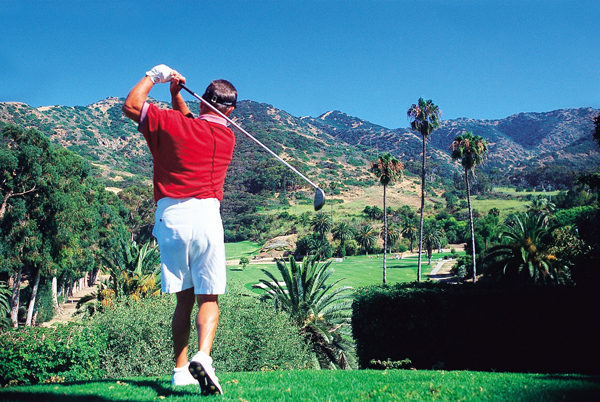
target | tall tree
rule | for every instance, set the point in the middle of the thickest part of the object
(57, 232)
(386, 168)
(469, 150)
(424, 118)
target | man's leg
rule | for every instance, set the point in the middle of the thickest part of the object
(181, 325)
(206, 321)
(201, 364)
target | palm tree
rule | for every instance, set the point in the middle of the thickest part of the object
(409, 231)
(432, 238)
(541, 204)
(321, 223)
(133, 269)
(343, 231)
(322, 311)
(525, 253)
(366, 237)
(386, 168)
(393, 234)
(424, 118)
(470, 150)
(134, 272)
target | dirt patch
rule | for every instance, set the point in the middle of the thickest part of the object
(278, 247)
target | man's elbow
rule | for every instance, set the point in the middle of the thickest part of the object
(131, 111)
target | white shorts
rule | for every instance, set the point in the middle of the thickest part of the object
(192, 246)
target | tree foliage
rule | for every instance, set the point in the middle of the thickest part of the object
(321, 310)
(60, 228)
(525, 254)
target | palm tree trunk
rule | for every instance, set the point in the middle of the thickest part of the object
(384, 236)
(472, 226)
(422, 211)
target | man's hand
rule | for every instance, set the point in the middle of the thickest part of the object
(160, 74)
(176, 78)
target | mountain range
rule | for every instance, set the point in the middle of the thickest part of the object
(331, 147)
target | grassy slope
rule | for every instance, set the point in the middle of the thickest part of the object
(363, 385)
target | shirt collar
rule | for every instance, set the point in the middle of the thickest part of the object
(213, 118)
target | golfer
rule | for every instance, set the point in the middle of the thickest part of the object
(190, 156)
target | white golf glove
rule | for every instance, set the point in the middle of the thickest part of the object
(160, 73)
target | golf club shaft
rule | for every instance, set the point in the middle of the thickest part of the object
(247, 134)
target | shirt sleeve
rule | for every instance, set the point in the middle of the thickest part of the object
(143, 115)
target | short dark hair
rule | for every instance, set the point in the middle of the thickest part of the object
(221, 94)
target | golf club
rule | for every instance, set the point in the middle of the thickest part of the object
(319, 200)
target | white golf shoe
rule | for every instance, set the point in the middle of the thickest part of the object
(202, 370)
(182, 376)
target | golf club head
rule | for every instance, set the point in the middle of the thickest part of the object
(319, 199)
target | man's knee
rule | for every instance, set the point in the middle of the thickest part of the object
(186, 299)
(207, 299)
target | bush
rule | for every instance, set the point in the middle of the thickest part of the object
(250, 336)
(138, 337)
(485, 327)
(62, 353)
(134, 339)
(253, 336)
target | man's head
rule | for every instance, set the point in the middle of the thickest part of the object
(222, 95)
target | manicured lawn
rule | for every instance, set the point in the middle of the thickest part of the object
(308, 385)
(354, 271)
(235, 251)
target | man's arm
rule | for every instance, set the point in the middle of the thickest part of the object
(176, 98)
(136, 98)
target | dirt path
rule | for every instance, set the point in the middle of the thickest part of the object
(443, 271)
(67, 309)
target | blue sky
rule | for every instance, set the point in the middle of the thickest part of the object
(370, 59)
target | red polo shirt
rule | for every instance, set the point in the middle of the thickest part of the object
(191, 156)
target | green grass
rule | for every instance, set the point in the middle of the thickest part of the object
(505, 206)
(235, 251)
(308, 385)
(355, 271)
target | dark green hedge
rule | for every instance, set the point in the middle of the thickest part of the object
(484, 327)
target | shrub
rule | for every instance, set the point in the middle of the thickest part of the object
(253, 336)
(137, 335)
(250, 336)
(62, 353)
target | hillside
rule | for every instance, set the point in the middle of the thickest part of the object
(333, 147)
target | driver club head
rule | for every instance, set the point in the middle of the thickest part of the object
(319, 199)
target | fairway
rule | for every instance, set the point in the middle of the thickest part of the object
(354, 271)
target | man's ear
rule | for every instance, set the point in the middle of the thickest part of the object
(229, 110)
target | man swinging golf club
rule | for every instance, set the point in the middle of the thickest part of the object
(191, 157)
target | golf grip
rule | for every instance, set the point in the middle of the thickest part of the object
(247, 134)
